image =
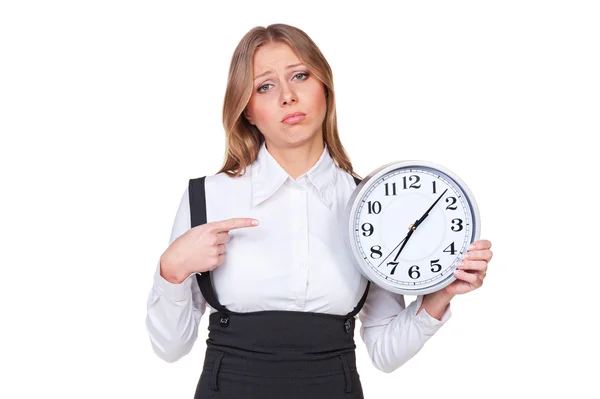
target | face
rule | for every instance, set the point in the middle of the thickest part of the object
(283, 85)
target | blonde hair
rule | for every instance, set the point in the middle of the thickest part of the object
(243, 140)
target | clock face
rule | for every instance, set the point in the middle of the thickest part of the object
(409, 223)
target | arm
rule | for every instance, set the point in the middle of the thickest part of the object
(394, 333)
(174, 309)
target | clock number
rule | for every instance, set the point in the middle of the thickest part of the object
(374, 207)
(434, 269)
(452, 251)
(368, 230)
(394, 268)
(413, 272)
(376, 249)
(387, 189)
(452, 207)
(413, 185)
(434, 187)
(458, 223)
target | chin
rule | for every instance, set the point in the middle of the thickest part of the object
(296, 140)
(296, 135)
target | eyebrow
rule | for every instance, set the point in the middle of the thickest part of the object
(268, 72)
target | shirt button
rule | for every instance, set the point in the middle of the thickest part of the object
(224, 320)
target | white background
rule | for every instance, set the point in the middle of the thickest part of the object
(108, 108)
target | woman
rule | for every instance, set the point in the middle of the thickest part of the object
(285, 295)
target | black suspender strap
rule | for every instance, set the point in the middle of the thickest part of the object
(361, 302)
(364, 297)
(197, 195)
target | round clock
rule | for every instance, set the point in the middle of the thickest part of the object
(408, 224)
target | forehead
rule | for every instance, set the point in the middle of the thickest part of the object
(272, 56)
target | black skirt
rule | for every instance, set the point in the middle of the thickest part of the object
(279, 354)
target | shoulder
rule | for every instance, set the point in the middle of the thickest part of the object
(346, 178)
(344, 186)
(222, 188)
(222, 181)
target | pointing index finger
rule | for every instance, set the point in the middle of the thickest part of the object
(234, 223)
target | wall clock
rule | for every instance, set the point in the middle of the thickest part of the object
(408, 224)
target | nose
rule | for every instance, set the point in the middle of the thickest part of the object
(287, 94)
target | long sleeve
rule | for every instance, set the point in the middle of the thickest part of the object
(392, 332)
(174, 310)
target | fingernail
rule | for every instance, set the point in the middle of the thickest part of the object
(457, 272)
(460, 265)
(465, 256)
(255, 222)
(471, 246)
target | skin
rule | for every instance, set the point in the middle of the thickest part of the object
(297, 147)
(283, 91)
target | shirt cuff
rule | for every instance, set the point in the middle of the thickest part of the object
(174, 292)
(427, 323)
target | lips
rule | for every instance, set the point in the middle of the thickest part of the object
(293, 118)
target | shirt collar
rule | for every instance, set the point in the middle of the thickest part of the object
(268, 176)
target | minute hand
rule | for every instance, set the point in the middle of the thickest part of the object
(403, 243)
(418, 222)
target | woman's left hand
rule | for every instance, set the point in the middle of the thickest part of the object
(471, 271)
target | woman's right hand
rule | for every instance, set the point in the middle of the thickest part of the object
(199, 249)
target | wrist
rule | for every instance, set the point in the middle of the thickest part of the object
(441, 296)
(171, 272)
(438, 300)
(436, 303)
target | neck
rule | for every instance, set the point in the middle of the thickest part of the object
(299, 159)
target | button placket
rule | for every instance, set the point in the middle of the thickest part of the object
(299, 244)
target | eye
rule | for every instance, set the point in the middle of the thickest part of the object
(260, 89)
(302, 74)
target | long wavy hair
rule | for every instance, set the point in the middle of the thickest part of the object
(243, 140)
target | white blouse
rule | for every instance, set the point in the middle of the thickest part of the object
(295, 259)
